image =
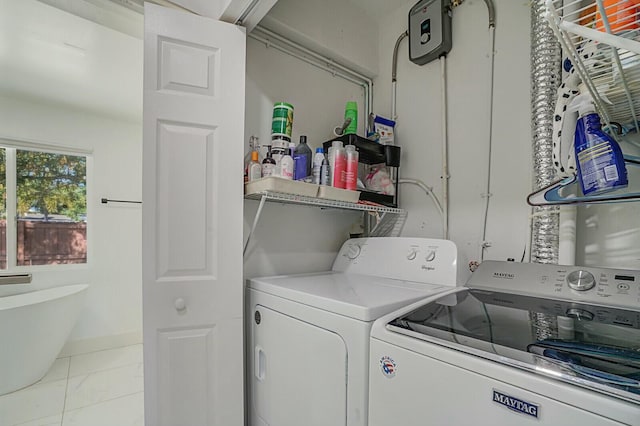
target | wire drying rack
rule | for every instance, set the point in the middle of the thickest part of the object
(602, 39)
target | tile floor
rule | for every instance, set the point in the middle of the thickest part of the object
(93, 389)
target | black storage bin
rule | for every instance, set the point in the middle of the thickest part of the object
(370, 153)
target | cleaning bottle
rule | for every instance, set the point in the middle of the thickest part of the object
(351, 170)
(599, 158)
(351, 111)
(255, 168)
(325, 172)
(286, 165)
(268, 164)
(254, 145)
(318, 158)
(339, 165)
(302, 158)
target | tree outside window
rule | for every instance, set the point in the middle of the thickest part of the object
(51, 208)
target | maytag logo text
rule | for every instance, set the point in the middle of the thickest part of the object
(516, 404)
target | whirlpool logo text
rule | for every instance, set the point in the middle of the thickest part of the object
(516, 404)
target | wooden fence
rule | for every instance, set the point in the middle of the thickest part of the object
(46, 243)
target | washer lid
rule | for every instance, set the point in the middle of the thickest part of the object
(357, 296)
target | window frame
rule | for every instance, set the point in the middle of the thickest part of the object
(11, 146)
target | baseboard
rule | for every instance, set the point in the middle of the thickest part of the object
(77, 347)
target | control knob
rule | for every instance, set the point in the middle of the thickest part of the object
(431, 254)
(579, 314)
(581, 280)
(412, 254)
(353, 251)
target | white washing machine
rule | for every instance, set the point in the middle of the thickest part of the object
(520, 344)
(308, 335)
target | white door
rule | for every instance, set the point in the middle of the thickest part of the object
(194, 70)
(298, 372)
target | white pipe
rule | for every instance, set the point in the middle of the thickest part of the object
(445, 150)
(394, 114)
(268, 43)
(329, 64)
(487, 195)
(394, 75)
(567, 235)
(429, 191)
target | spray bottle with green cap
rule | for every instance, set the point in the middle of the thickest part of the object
(598, 156)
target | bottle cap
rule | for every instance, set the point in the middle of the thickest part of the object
(320, 150)
(254, 156)
(303, 139)
(336, 144)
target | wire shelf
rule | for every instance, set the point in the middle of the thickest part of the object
(286, 198)
(602, 40)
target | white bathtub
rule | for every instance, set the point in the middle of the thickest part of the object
(33, 328)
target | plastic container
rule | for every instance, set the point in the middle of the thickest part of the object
(255, 168)
(351, 169)
(286, 165)
(277, 184)
(268, 165)
(302, 157)
(599, 158)
(351, 111)
(282, 122)
(325, 172)
(338, 194)
(318, 159)
(339, 166)
(254, 145)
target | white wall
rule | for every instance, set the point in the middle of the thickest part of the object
(335, 28)
(114, 299)
(292, 239)
(419, 129)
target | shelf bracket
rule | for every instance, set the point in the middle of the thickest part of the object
(263, 199)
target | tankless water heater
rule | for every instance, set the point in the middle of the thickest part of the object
(429, 30)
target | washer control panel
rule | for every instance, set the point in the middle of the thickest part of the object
(410, 259)
(618, 287)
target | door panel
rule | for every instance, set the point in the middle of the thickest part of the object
(298, 373)
(192, 219)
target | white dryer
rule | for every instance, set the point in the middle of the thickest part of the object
(520, 344)
(308, 335)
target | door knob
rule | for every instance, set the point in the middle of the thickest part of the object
(180, 304)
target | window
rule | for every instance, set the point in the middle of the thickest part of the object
(47, 194)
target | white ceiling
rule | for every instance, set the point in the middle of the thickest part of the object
(52, 56)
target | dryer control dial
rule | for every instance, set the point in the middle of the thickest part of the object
(581, 280)
(413, 253)
(353, 251)
(431, 254)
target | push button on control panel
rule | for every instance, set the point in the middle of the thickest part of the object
(623, 287)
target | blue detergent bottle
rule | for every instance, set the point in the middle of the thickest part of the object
(599, 158)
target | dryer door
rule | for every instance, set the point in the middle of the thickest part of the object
(298, 372)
